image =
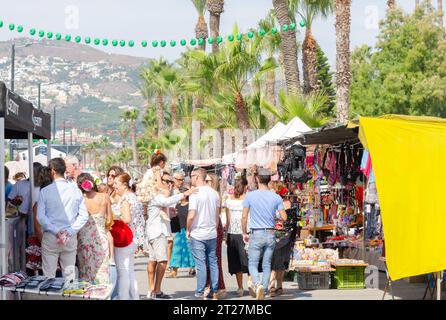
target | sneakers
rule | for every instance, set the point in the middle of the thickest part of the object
(160, 296)
(260, 293)
(150, 295)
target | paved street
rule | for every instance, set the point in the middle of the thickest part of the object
(183, 287)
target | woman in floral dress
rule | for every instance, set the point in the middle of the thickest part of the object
(93, 246)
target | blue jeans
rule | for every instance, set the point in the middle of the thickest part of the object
(205, 251)
(114, 282)
(261, 241)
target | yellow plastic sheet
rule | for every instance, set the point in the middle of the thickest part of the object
(409, 160)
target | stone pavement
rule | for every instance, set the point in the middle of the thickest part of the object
(183, 287)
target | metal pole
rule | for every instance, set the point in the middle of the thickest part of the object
(11, 149)
(3, 264)
(439, 278)
(31, 170)
(48, 151)
(54, 123)
(38, 97)
(64, 122)
(12, 66)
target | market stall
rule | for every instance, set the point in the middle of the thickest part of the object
(18, 120)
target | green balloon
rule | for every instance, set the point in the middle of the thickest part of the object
(250, 34)
(210, 40)
(201, 41)
(41, 33)
(293, 26)
(193, 42)
(240, 37)
(154, 44)
(173, 43)
(32, 31)
(78, 39)
(131, 43)
(285, 27)
(11, 26)
(1, 24)
(87, 40)
(122, 43)
(115, 43)
(49, 35)
(45, 141)
(97, 41)
(163, 43)
(262, 32)
(183, 42)
(219, 39)
(274, 30)
(67, 38)
(19, 28)
(302, 23)
(105, 42)
(35, 140)
(231, 37)
(58, 36)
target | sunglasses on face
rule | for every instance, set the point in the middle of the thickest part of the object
(166, 181)
(178, 179)
(111, 176)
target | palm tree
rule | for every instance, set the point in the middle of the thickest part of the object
(440, 12)
(131, 116)
(215, 8)
(271, 45)
(288, 47)
(343, 76)
(309, 108)
(309, 10)
(155, 85)
(201, 28)
(123, 133)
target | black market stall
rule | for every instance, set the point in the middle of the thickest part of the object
(18, 120)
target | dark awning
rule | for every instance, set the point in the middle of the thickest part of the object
(336, 135)
(21, 117)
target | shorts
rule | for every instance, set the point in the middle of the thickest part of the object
(157, 249)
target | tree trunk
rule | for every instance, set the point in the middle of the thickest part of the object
(201, 31)
(440, 13)
(288, 46)
(216, 8)
(134, 151)
(159, 115)
(174, 113)
(309, 62)
(343, 75)
(271, 93)
(241, 112)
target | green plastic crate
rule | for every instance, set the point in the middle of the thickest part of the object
(346, 277)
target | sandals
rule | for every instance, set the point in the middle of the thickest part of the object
(279, 291)
(273, 292)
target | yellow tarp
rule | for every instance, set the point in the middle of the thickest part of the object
(409, 160)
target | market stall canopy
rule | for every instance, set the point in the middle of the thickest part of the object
(408, 155)
(273, 134)
(21, 117)
(204, 162)
(334, 135)
(293, 129)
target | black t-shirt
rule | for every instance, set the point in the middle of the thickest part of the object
(182, 212)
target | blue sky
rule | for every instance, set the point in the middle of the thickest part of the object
(170, 19)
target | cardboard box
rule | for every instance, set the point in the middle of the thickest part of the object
(304, 233)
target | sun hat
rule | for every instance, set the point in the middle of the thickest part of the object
(121, 233)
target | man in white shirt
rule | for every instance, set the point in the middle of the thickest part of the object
(61, 212)
(73, 169)
(202, 222)
(21, 195)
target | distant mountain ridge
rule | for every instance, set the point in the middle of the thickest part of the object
(87, 86)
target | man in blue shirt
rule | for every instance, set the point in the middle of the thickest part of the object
(8, 185)
(61, 212)
(261, 206)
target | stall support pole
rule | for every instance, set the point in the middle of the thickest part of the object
(3, 264)
(48, 151)
(31, 169)
(439, 279)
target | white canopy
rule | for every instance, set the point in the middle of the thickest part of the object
(274, 133)
(293, 129)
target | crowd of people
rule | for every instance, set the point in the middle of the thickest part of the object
(101, 226)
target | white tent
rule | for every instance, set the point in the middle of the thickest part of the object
(274, 133)
(293, 129)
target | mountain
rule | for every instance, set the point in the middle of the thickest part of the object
(88, 87)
